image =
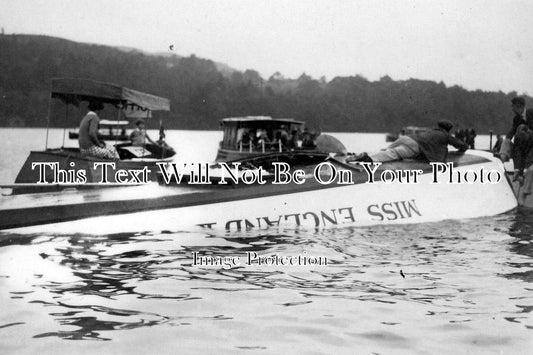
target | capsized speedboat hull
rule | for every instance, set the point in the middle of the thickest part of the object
(311, 205)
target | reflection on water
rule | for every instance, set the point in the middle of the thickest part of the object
(522, 230)
(469, 281)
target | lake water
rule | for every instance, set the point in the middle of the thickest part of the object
(453, 287)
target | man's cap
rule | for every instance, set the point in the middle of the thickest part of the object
(445, 124)
(518, 101)
(139, 121)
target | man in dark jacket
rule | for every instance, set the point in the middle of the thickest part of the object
(522, 116)
(431, 145)
(522, 132)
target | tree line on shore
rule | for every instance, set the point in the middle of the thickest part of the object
(202, 92)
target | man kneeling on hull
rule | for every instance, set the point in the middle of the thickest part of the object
(431, 145)
(522, 132)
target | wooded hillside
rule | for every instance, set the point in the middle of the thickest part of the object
(202, 92)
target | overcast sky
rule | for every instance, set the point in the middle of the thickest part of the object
(484, 45)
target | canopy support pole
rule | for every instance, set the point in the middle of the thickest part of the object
(118, 120)
(65, 128)
(145, 132)
(161, 140)
(48, 121)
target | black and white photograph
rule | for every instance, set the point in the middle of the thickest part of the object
(266, 177)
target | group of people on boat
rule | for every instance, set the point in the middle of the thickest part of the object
(432, 145)
(467, 135)
(272, 139)
(91, 144)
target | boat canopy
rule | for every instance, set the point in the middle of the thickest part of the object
(73, 91)
(132, 113)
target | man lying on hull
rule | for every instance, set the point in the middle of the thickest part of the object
(431, 145)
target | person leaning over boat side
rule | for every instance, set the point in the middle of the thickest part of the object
(498, 144)
(431, 145)
(471, 138)
(522, 132)
(88, 139)
(460, 134)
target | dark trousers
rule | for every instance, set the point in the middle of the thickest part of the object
(522, 153)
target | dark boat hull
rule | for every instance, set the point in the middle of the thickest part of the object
(75, 164)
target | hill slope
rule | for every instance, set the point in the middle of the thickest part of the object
(201, 94)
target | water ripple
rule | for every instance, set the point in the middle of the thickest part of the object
(382, 287)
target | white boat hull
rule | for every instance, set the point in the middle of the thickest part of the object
(351, 205)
